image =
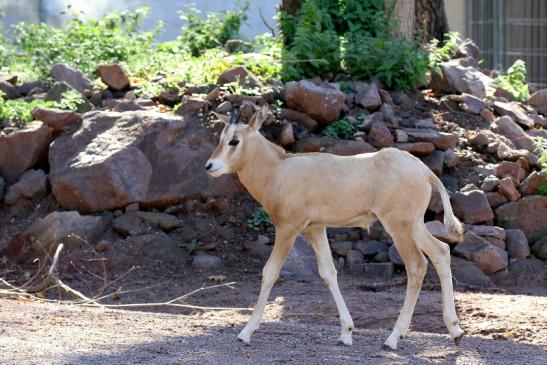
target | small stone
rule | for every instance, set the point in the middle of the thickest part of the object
(205, 261)
(535, 182)
(488, 115)
(426, 124)
(102, 246)
(73, 77)
(382, 257)
(378, 270)
(512, 170)
(438, 230)
(238, 74)
(489, 257)
(368, 97)
(540, 248)
(490, 183)
(113, 76)
(191, 104)
(435, 162)
(451, 159)
(354, 262)
(508, 190)
(379, 135)
(128, 225)
(341, 248)
(32, 184)
(402, 137)
(417, 149)
(369, 248)
(495, 199)
(259, 248)
(164, 221)
(224, 107)
(480, 140)
(133, 207)
(517, 244)
(286, 137)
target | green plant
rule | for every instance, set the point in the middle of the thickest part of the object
(259, 218)
(340, 129)
(70, 100)
(200, 34)
(514, 81)
(541, 148)
(441, 54)
(18, 112)
(192, 246)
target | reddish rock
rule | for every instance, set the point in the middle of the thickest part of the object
(441, 140)
(495, 199)
(522, 271)
(22, 149)
(508, 128)
(514, 110)
(321, 103)
(488, 115)
(490, 183)
(56, 119)
(490, 258)
(8, 91)
(437, 229)
(487, 231)
(507, 189)
(297, 117)
(367, 96)
(32, 184)
(379, 135)
(471, 104)
(517, 244)
(435, 203)
(258, 248)
(472, 207)
(528, 214)
(332, 145)
(459, 78)
(539, 100)
(239, 74)
(75, 78)
(451, 159)
(145, 157)
(286, 137)
(113, 76)
(417, 149)
(191, 104)
(535, 182)
(121, 106)
(386, 97)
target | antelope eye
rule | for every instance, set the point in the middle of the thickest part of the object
(233, 142)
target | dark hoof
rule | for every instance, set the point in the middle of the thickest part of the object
(340, 343)
(458, 340)
(387, 348)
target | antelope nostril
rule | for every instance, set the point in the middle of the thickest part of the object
(208, 166)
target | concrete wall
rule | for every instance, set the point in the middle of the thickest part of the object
(165, 10)
(457, 16)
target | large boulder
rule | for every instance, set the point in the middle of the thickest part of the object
(539, 100)
(472, 206)
(113, 76)
(115, 159)
(56, 119)
(22, 149)
(456, 77)
(323, 104)
(515, 111)
(508, 128)
(528, 214)
(367, 96)
(69, 228)
(490, 258)
(73, 77)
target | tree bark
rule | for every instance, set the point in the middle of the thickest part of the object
(404, 14)
(430, 20)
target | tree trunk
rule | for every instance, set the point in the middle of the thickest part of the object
(430, 20)
(404, 14)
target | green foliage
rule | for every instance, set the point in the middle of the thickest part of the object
(398, 63)
(18, 112)
(441, 54)
(70, 100)
(200, 34)
(541, 148)
(259, 218)
(340, 129)
(514, 81)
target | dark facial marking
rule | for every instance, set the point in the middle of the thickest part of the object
(234, 142)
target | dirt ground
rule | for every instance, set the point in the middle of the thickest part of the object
(300, 326)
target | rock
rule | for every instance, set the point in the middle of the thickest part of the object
(144, 157)
(490, 183)
(371, 248)
(539, 100)
(435, 202)
(164, 221)
(205, 261)
(75, 78)
(451, 159)
(301, 262)
(240, 75)
(468, 48)
(169, 98)
(440, 140)
(402, 137)
(133, 207)
(341, 248)
(379, 135)
(480, 140)
(435, 162)
(32, 184)
(121, 106)
(458, 78)
(354, 262)
(487, 231)
(534, 183)
(489, 257)
(8, 90)
(507, 189)
(540, 248)
(376, 270)
(469, 273)
(191, 104)
(28, 87)
(386, 97)
(513, 110)
(102, 246)
(472, 207)
(2, 186)
(487, 115)
(67, 227)
(471, 104)
(286, 137)
(322, 104)
(258, 248)
(438, 230)
(158, 247)
(22, 149)
(128, 225)
(394, 256)
(517, 244)
(224, 107)
(56, 119)
(495, 199)
(300, 118)
(426, 124)
(522, 271)
(113, 76)
(367, 96)
(508, 128)
(332, 145)
(528, 214)
(389, 115)
(417, 149)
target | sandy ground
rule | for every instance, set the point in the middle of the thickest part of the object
(300, 327)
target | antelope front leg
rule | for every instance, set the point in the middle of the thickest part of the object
(283, 244)
(327, 271)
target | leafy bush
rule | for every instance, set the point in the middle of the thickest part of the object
(340, 129)
(200, 34)
(83, 44)
(514, 81)
(18, 112)
(259, 218)
(441, 54)
(541, 148)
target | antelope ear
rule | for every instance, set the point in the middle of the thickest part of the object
(223, 118)
(259, 117)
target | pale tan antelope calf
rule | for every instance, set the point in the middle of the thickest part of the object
(305, 193)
